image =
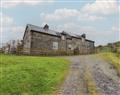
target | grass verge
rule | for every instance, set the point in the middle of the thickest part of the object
(113, 59)
(27, 75)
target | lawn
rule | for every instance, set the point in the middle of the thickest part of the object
(113, 58)
(28, 75)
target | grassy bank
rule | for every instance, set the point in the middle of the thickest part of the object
(114, 59)
(27, 75)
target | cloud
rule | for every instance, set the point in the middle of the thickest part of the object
(13, 3)
(115, 29)
(98, 10)
(87, 17)
(17, 29)
(11, 33)
(74, 28)
(6, 20)
(60, 14)
(101, 7)
(100, 37)
(9, 30)
(65, 14)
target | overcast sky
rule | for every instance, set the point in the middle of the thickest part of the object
(99, 19)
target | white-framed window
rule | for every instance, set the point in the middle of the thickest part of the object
(70, 47)
(63, 37)
(83, 39)
(55, 45)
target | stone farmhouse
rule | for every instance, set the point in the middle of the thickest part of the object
(44, 41)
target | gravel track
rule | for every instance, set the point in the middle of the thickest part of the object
(105, 77)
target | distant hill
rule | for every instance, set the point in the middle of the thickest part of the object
(110, 47)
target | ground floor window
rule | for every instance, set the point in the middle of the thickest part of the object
(55, 45)
(70, 47)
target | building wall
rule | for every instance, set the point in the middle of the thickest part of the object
(27, 42)
(69, 47)
(62, 45)
(91, 48)
(43, 44)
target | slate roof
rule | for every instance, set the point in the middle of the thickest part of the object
(52, 32)
(42, 30)
(70, 34)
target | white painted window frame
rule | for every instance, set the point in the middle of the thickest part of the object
(55, 45)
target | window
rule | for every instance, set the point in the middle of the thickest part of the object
(83, 39)
(63, 37)
(55, 45)
(70, 46)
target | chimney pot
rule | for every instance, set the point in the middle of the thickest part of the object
(83, 35)
(46, 27)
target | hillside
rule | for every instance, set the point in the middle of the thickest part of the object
(111, 53)
(110, 47)
(27, 75)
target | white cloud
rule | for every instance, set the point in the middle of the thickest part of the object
(11, 33)
(100, 37)
(17, 29)
(87, 17)
(9, 30)
(75, 28)
(97, 10)
(65, 14)
(115, 29)
(6, 20)
(13, 3)
(60, 14)
(101, 7)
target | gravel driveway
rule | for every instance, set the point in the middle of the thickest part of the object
(101, 73)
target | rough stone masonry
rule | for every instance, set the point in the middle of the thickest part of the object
(44, 41)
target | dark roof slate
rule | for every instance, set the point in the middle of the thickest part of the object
(52, 32)
(42, 30)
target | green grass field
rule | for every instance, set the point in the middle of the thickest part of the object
(27, 75)
(113, 58)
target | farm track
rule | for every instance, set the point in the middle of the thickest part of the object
(90, 73)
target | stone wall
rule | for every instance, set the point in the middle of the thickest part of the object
(42, 44)
(27, 42)
(37, 43)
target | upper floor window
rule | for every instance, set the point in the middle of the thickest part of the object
(83, 39)
(63, 37)
(70, 47)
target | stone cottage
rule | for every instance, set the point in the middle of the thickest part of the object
(44, 41)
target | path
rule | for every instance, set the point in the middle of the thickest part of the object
(90, 75)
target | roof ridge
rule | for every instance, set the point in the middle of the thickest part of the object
(52, 32)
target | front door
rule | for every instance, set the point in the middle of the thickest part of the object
(76, 51)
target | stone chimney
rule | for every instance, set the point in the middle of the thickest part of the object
(46, 27)
(83, 35)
